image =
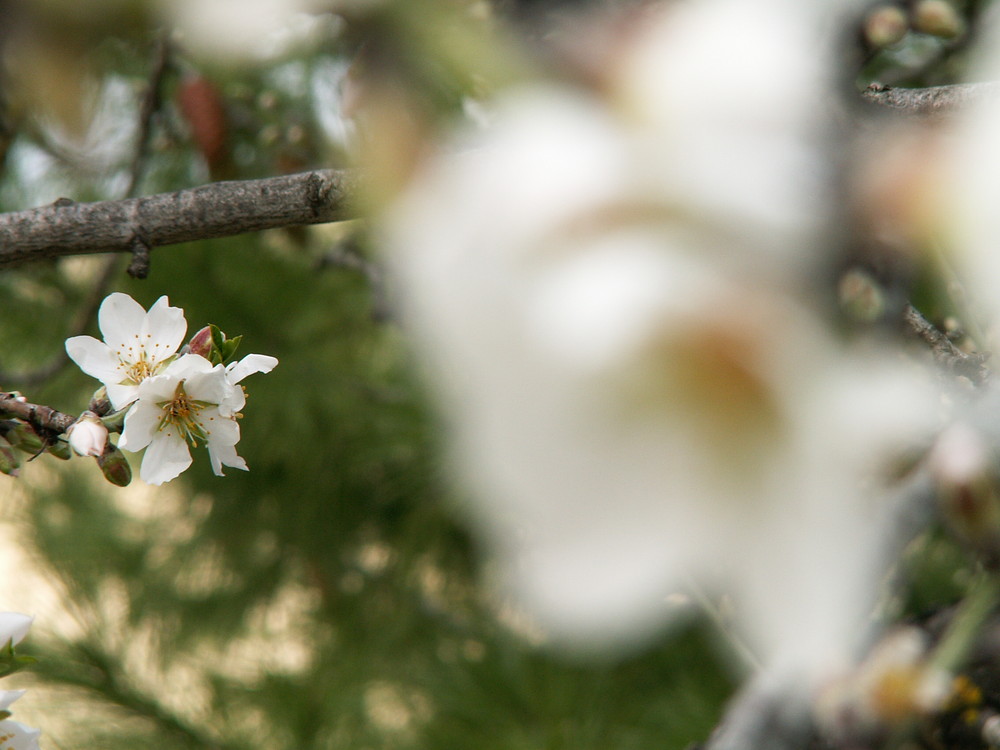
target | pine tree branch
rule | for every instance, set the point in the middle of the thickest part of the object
(137, 225)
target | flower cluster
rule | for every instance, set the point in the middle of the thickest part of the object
(13, 735)
(173, 399)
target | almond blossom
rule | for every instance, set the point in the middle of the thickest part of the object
(611, 300)
(188, 404)
(137, 345)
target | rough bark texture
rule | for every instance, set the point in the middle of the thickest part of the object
(933, 102)
(219, 209)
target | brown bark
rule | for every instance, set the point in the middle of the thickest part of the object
(136, 225)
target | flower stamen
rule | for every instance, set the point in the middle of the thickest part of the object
(182, 413)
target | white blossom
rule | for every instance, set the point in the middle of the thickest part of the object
(189, 404)
(16, 736)
(87, 435)
(607, 300)
(137, 345)
(14, 627)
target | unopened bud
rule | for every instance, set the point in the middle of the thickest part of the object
(938, 18)
(100, 404)
(967, 490)
(885, 25)
(115, 467)
(24, 437)
(201, 342)
(88, 435)
(60, 450)
(861, 296)
(9, 462)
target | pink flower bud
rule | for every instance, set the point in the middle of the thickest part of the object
(88, 435)
(201, 342)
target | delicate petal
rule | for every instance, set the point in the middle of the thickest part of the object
(7, 697)
(16, 736)
(249, 365)
(94, 357)
(120, 395)
(120, 319)
(224, 431)
(208, 385)
(221, 455)
(166, 457)
(163, 330)
(141, 425)
(14, 626)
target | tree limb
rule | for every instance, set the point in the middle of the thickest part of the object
(219, 209)
(38, 416)
(935, 102)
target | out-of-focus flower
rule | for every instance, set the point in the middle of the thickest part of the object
(189, 403)
(896, 683)
(970, 189)
(87, 435)
(14, 627)
(137, 345)
(16, 736)
(606, 296)
(240, 29)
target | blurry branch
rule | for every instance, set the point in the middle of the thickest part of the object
(933, 102)
(137, 225)
(150, 105)
(81, 321)
(946, 354)
(348, 256)
(43, 418)
(148, 108)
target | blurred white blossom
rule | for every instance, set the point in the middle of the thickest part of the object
(241, 29)
(973, 183)
(608, 298)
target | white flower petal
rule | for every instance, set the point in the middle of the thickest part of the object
(166, 457)
(141, 425)
(249, 365)
(14, 626)
(94, 357)
(121, 396)
(16, 736)
(223, 431)
(163, 330)
(120, 319)
(208, 385)
(7, 697)
(225, 455)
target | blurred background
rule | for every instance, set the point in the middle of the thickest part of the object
(331, 597)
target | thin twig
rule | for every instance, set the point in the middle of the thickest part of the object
(946, 354)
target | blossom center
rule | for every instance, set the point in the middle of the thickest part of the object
(139, 370)
(181, 414)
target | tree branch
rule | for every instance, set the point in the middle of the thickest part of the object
(935, 102)
(38, 416)
(219, 209)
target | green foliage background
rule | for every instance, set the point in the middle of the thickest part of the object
(331, 597)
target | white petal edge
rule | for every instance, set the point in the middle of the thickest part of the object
(166, 457)
(120, 318)
(249, 365)
(17, 736)
(14, 626)
(94, 357)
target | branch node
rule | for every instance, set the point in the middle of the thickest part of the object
(140, 248)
